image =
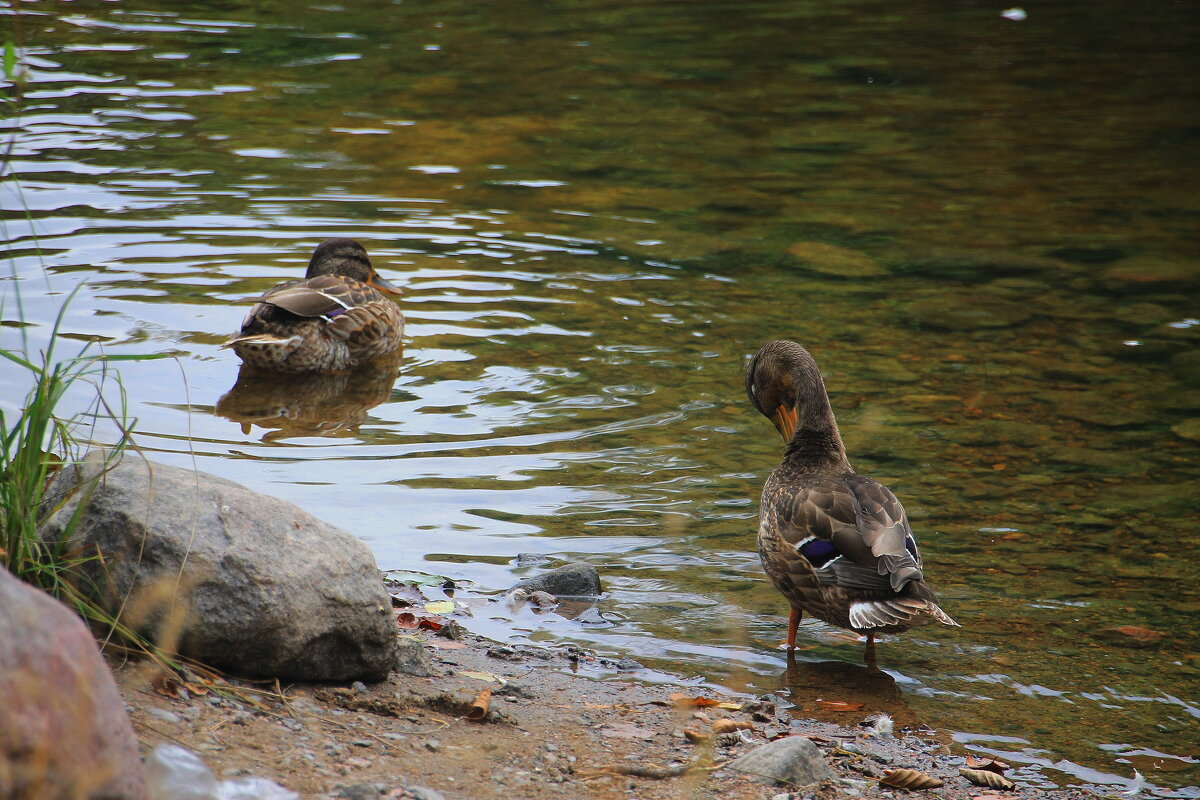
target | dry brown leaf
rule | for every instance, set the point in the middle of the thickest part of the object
(479, 708)
(695, 737)
(731, 725)
(407, 620)
(990, 764)
(680, 699)
(983, 777)
(839, 705)
(909, 779)
(166, 684)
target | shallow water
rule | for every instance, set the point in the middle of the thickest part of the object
(985, 231)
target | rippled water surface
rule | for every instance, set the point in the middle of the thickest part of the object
(985, 230)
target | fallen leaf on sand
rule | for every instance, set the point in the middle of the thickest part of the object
(626, 730)
(479, 708)
(840, 705)
(695, 737)
(731, 725)
(909, 779)
(680, 699)
(440, 607)
(983, 777)
(166, 684)
(483, 676)
(990, 764)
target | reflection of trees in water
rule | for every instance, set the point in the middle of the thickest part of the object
(291, 405)
(810, 681)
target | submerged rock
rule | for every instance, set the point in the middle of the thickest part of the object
(63, 727)
(1188, 429)
(577, 579)
(965, 312)
(829, 259)
(795, 761)
(243, 582)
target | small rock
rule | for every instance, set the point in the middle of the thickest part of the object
(794, 760)
(163, 714)
(425, 793)
(577, 579)
(358, 686)
(503, 652)
(628, 663)
(452, 630)
(412, 658)
(530, 559)
(433, 745)
(360, 791)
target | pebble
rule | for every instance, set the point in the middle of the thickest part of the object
(358, 686)
(433, 745)
(163, 714)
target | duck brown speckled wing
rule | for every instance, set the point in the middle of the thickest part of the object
(845, 553)
(323, 296)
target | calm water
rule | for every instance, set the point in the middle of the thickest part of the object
(985, 230)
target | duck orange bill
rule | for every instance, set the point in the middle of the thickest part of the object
(384, 285)
(785, 421)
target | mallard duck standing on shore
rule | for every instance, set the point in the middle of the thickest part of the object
(836, 544)
(335, 319)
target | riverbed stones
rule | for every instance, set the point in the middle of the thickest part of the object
(577, 579)
(412, 658)
(829, 259)
(243, 582)
(794, 761)
(1188, 429)
(63, 727)
(965, 311)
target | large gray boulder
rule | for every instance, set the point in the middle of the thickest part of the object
(243, 582)
(63, 727)
(794, 761)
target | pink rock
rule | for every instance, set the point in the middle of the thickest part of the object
(63, 727)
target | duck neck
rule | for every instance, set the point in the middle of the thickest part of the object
(816, 444)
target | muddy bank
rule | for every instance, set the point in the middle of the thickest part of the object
(559, 724)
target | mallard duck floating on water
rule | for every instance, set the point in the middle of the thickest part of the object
(836, 544)
(335, 319)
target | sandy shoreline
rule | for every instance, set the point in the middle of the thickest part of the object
(551, 732)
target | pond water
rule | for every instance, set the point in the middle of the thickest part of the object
(984, 229)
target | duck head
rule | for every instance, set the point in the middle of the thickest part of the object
(347, 258)
(784, 384)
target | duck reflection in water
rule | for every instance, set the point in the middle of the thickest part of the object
(834, 691)
(308, 405)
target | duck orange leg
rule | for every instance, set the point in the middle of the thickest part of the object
(869, 657)
(793, 621)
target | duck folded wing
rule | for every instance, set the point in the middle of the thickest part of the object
(324, 296)
(855, 534)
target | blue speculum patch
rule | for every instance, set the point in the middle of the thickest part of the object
(819, 552)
